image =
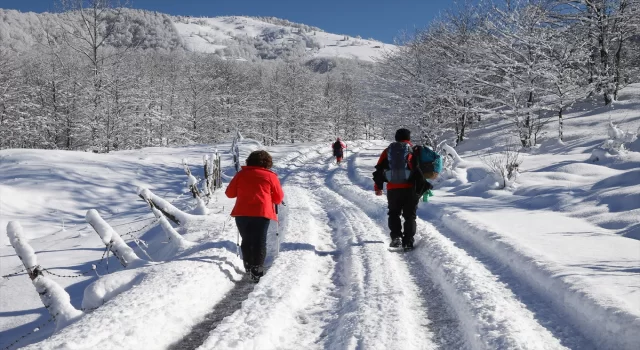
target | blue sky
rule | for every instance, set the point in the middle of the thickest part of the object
(381, 20)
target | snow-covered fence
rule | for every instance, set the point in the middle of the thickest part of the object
(113, 241)
(192, 182)
(212, 173)
(53, 296)
(173, 236)
(167, 209)
(235, 150)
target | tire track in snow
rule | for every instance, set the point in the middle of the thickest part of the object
(379, 304)
(203, 335)
(359, 295)
(225, 307)
(491, 316)
(280, 312)
(380, 307)
(294, 300)
(544, 312)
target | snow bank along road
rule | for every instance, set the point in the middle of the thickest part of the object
(336, 285)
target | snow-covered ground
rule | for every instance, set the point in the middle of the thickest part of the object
(552, 263)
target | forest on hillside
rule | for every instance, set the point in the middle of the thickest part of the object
(101, 78)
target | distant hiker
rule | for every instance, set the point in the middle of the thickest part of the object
(401, 165)
(257, 190)
(338, 150)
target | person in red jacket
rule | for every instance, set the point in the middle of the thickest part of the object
(395, 166)
(257, 190)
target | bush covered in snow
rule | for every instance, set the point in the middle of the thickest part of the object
(618, 138)
(618, 142)
(504, 166)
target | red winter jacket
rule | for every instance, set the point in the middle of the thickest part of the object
(383, 163)
(257, 190)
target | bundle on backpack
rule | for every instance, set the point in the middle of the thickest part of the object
(427, 165)
(399, 171)
(428, 162)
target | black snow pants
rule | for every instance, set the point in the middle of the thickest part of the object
(253, 230)
(402, 201)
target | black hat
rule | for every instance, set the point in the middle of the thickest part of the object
(403, 135)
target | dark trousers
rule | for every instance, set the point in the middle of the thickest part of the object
(253, 230)
(402, 201)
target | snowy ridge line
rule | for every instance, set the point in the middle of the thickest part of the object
(489, 313)
(607, 326)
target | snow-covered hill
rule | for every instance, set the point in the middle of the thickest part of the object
(227, 35)
(230, 37)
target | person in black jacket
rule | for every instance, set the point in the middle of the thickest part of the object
(403, 193)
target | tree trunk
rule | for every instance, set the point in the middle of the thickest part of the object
(560, 124)
(618, 73)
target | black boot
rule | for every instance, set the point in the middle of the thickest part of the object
(395, 242)
(255, 273)
(407, 244)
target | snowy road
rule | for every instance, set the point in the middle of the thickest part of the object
(336, 285)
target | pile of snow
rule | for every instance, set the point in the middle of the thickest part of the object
(617, 143)
(108, 287)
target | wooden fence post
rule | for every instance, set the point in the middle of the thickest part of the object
(113, 241)
(172, 213)
(53, 296)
